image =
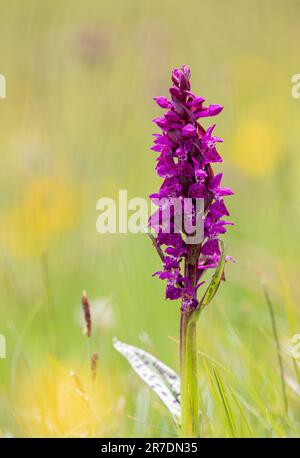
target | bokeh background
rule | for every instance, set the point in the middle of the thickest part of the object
(76, 126)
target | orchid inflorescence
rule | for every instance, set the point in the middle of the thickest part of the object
(186, 152)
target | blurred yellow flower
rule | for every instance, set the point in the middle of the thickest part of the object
(58, 402)
(256, 148)
(47, 209)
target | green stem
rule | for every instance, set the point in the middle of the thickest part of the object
(188, 375)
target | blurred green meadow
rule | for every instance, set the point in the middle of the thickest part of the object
(76, 126)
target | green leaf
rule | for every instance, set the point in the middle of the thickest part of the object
(215, 281)
(163, 380)
(225, 402)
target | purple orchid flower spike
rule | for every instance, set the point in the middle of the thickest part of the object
(186, 153)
